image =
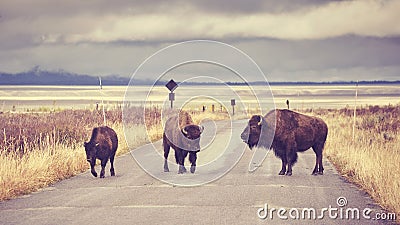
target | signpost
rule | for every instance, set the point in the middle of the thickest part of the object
(171, 85)
(233, 103)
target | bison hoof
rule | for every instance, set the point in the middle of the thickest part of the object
(282, 172)
(166, 169)
(289, 173)
(315, 173)
(192, 169)
(102, 176)
(182, 169)
(94, 174)
(112, 173)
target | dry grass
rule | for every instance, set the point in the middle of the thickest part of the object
(38, 168)
(198, 117)
(155, 129)
(372, 159)
(38, 149)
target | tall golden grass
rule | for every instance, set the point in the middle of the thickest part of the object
(38, 149)
(372, 159)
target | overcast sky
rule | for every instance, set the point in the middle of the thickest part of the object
(304, 40)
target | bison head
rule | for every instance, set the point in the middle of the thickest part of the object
(91, 150)
(191, 142)
(251, 134)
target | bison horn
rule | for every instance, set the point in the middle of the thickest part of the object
(97, 144)
(259, 122)
(184, 131)
(201, 127)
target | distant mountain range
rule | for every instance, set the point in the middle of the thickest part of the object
(37, 76)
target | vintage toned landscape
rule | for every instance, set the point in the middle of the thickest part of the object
(41, 145)
(68, 67)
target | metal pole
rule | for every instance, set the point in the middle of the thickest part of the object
(102, 102)
(355, 112)
(172, 98)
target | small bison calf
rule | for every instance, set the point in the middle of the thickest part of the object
(102, 145)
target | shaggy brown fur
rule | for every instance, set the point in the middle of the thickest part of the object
(184, 137)
(287, 133)
(102, 145)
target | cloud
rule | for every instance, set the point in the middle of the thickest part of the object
(72, 22)
(303, 40)
(367, 18)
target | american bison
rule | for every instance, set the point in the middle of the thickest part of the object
(294, 132)
(184, 137)
(102, 145)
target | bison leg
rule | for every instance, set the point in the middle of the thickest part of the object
(291, 159)
(179, 157)
(103, 166)
(318, 169)
(182, 169)
(284, 163)
(92, 164)
(112, 166)
(192, 159)
(166, 153)
(181, 163)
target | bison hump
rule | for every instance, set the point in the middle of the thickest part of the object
(184, 119)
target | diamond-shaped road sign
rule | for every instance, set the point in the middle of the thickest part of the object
(171, 85)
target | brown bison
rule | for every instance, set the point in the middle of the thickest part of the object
(102, 145)
(184, 137)
(294, 133)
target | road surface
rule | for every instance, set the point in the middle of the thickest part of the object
(239, 197)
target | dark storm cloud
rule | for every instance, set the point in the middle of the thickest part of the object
(306, 39)
(72, 22)
(341, 58)
(32, 9)
(256, 6)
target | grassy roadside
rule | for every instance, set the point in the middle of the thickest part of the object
(372, 159)
(38, 149)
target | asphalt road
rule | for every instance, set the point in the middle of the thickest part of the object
(238, 197)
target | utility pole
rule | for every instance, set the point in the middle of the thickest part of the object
(102, 101)
(355, 112)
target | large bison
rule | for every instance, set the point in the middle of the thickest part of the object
(294, 133)
(102, 145)
(183, 136)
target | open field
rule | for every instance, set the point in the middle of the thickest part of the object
(42, 144)
(133, 196)
(25, 98)
(38, 149)
(372, 159)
